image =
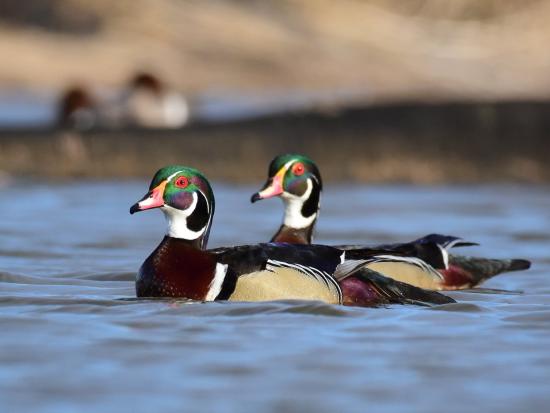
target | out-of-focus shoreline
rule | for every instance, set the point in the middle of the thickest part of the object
(387, 49)
(408, 143)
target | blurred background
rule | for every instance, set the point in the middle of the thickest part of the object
(96, 95)
(374, 90)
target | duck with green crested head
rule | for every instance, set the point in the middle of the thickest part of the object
(297, 181)
(182, 267)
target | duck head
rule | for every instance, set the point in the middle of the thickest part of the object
(185, 197)
(297, 181)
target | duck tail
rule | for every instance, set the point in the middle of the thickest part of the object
(467, 272)
(369, 288)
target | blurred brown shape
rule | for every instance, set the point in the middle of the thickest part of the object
(144, 102)
(77, 109)
(149, 103)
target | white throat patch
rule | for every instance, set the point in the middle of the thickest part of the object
(177, 221)
(293, 209)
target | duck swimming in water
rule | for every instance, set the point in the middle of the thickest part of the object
(297, 181)
(181, 266)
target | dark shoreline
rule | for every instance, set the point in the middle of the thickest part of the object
(419, 143)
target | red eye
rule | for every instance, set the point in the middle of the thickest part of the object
(298, 168)
(182, 182)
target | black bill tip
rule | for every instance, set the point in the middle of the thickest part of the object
(255, 197)
(134, 208)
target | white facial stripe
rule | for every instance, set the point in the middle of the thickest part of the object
(217, 282)
(172, 176)
(177, 221)
(194, 194)
(293, 209)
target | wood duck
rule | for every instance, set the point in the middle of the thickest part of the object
(181, 266)
(297, 181)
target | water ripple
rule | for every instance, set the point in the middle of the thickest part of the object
(75, 338)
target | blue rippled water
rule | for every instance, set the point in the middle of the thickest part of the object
(74, 339)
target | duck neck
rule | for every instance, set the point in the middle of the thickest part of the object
(300, 216)
(294, 235)
(191, 225)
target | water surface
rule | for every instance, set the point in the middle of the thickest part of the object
(74, 338)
